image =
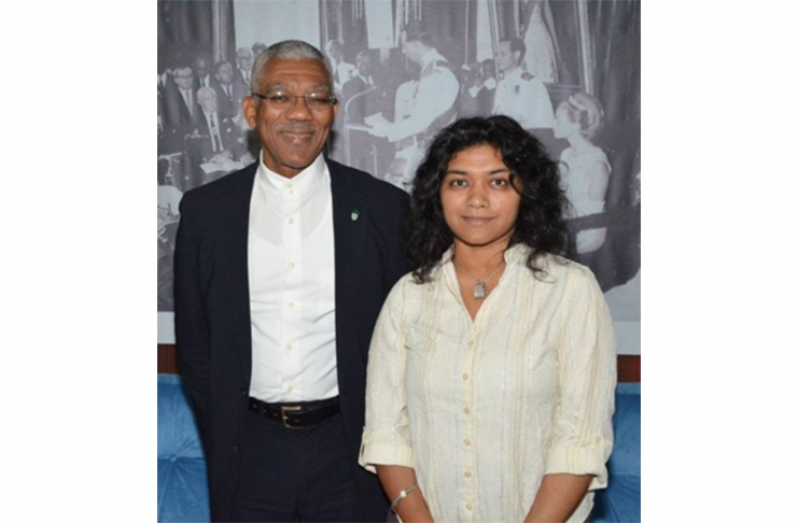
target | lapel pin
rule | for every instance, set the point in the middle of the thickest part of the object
(355, 215)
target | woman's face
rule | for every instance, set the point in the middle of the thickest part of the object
(479, 202)
(563, 126)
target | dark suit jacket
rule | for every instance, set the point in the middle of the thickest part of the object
(176, 111)
(238, 78)
(212, 315)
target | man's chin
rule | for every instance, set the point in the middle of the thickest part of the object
(297, 165)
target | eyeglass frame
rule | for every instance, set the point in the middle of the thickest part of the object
(330, 100)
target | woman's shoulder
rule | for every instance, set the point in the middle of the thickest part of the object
(561, 270)
(596, 155)
(407, 286)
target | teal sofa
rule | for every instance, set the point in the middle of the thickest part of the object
(183, 488)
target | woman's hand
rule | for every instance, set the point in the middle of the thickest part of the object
(557, 498)
(413, 508)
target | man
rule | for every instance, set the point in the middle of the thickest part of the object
(342, 71)
(361, 81)
(433, 105)
(214, 131)
(244, 60)
(212, 145)
(180, 108)
(202, 70)
(519, 95)
(230, 94)
(257, 48)
(280, 272)
(478, 89)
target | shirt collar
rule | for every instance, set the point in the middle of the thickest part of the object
(307, 181)
(516, 254)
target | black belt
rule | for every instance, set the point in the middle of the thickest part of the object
(297, 415)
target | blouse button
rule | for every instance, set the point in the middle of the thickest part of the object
(469, 507)
(465, 376)
(466, 411)
(467, 474)
(467, 442)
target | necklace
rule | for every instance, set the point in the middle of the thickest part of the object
(480, 287)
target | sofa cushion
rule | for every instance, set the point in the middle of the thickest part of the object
(620, 501)
(182, 475)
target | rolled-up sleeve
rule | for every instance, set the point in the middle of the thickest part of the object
(386, 437)
(583, 436)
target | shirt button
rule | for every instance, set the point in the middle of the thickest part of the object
(289, 347)
(469, 507)
(290, 305)
(466, 411)
(467, 442)
(465, 376)
(467, 474)
(470, 343)
(291, 265)
(290, 388)
(290, 221)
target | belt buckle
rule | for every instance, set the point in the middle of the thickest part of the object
(284, 416)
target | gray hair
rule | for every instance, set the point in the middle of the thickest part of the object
(285, 50)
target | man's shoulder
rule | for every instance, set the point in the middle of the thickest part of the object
(223, 188)
(362, 181)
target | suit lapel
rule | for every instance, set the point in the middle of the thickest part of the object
(349, 228)
(237, 244)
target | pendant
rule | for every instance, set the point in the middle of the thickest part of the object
(480, 291)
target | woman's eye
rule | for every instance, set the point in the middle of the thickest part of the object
(458, 183)
(500, 182)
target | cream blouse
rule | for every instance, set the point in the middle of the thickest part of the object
(483, 409)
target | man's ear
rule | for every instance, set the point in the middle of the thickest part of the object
(250, 110)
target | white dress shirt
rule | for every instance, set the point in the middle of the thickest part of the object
(292, 286)
(437, 92)
(483, 409)
(524, 98)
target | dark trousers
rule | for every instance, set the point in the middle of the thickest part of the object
(294, 474)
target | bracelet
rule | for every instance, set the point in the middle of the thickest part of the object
(402, 495)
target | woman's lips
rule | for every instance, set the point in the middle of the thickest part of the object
(476, 221)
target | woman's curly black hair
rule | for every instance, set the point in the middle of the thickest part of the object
(540, 225)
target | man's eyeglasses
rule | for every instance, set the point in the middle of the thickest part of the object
(315, 102)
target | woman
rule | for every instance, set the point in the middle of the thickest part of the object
(492, 367)
(584, 166)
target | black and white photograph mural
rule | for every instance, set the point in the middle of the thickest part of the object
(566, 70)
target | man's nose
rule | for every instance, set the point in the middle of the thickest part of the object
(299, 110)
